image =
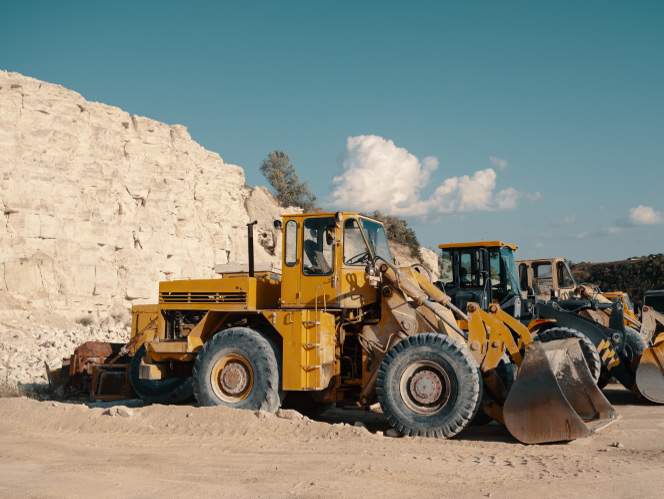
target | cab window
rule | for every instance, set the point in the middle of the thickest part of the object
(318, 246)
(469, 274)
(523, 276)
(290, 256)
(355, 248)
(445, 267)
(565, 279)
(543, 278)
(495, 268)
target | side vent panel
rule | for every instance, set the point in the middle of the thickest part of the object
(202, 297)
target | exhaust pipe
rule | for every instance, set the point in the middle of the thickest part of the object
(250, 244)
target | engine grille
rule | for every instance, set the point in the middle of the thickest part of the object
(202, 297)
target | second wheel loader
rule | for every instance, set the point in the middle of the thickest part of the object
(342, 324)
(486, 272)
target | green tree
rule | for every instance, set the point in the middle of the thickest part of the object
(397, 230)
(289, 191)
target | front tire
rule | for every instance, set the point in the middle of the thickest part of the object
(429, 385)
(238, 368)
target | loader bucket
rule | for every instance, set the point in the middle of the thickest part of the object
(650, 373)
(554, 398)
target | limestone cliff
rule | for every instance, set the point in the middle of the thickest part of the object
(98, 205)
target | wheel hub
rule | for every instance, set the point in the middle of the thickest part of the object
(425, 387)
(234, 378)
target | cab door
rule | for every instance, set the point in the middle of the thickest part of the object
(291, 259)
(319, 270)
(355, 291)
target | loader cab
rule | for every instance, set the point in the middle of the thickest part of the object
(324, 259)
(483, 272)
(548, 277)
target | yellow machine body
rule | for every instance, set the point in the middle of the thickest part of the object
(333, 315)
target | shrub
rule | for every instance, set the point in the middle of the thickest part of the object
(398, 231)
(289, 191)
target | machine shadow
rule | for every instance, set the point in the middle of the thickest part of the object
(374, 422)
(618, 395)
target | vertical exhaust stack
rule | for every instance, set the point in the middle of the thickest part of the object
(250, 246)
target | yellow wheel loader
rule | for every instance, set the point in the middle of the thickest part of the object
(342, 324)
(486, 272)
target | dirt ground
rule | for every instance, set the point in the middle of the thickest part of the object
(50, 449)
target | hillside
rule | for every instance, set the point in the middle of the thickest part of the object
(635, 275)
(96, 207)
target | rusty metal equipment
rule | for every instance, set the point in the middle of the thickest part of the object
(96, 368)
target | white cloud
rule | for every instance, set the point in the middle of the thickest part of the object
(379, 175)
(498, 162)
(534, 196)
(645, 215)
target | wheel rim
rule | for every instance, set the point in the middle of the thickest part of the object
(425, 387)
(232, 378)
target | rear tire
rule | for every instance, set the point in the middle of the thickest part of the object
(429, 385)
(164, 391)
(238, 368)
(589, 350)
(632, 351)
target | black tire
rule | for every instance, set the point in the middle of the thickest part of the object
(589, 350)
(166, 391)
(256, 358)
(634, 347)
(431, 356)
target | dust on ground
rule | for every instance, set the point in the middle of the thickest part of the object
(52, 449)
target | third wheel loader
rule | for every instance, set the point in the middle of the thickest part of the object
(341, 324)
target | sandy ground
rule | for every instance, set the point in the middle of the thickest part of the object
(50, 449)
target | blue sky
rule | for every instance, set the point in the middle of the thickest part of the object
(569, 94)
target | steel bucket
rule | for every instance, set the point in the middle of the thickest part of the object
(554, 397)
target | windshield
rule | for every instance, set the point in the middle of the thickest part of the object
(375, 234)
(565, 279)
(512, 281)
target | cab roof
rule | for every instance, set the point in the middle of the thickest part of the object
(319, 214)
(479, 244)
(542, 260)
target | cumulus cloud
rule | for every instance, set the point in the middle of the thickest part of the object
(498, 162)
(379, 175)
(645, 215)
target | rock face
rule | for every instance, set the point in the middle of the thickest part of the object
(403, 257)
(97, 205)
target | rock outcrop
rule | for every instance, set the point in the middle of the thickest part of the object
(98, 205)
